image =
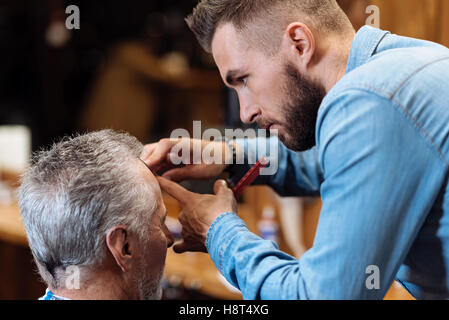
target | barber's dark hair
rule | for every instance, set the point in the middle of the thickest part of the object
(208, 15)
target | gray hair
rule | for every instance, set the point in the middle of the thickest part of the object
(75, 192)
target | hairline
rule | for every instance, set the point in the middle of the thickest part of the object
(285, 14)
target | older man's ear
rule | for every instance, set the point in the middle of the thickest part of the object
(121, 246)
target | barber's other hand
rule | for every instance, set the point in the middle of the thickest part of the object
(157, 157)
(198, 212)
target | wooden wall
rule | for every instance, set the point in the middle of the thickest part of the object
(424, 19)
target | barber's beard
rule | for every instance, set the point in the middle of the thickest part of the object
(300, 110)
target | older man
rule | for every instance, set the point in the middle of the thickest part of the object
(94, 218)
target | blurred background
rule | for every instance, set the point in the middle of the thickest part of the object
(135, 66)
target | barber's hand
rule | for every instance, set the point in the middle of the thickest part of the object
(157, 157)
(198, 212)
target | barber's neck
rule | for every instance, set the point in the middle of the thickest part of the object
(332, 56)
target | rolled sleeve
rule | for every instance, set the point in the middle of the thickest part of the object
(220, 233)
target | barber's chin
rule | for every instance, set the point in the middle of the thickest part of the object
(294, 144)
(283, 137)
(286, 142)
(275, 131)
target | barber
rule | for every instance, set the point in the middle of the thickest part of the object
(364, 123)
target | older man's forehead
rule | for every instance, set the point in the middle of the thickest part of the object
(149, 176)
(144, 166)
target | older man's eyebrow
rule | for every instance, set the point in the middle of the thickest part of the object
(147, 166)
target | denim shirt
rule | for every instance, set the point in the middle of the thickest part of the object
(380, 165)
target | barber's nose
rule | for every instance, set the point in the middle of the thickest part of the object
(249, 114)
(249, 111)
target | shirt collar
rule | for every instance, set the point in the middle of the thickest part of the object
(364, 45)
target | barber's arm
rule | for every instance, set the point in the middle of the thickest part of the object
(291, 173)
(375, 199)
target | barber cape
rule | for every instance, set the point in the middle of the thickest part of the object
(50, 296)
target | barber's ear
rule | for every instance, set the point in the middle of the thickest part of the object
(300, 44)
(119, 242)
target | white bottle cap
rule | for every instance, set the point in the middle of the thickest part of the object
(268, 213)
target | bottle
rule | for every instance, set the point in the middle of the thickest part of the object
(268, 226)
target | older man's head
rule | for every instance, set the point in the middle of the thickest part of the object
(89, 205)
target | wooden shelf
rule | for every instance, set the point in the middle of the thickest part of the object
(11, 226)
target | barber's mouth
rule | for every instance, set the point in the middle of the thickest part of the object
(266, 127)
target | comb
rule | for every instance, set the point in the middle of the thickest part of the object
(249, 177)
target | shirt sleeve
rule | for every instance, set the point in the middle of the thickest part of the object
(376, 196)
(291, 173)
